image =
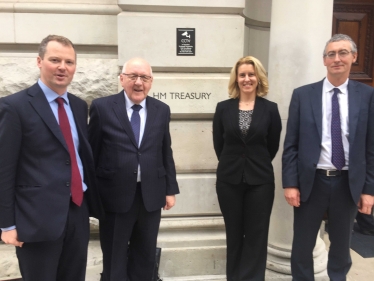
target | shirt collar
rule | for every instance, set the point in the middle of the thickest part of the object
(52, 95)
(329, 87)
(129, 103)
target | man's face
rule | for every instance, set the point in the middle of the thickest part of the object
(339, 65)
(137, 88)
(58, 66)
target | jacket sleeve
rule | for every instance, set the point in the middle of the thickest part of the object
(274, 131)
(218, 131)
(369, 182)
(168, 160)
(291, 144)
(94, 132)
(10, 147)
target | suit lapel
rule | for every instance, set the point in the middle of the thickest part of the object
(316, 102)
(39, 102)
(354, 100)
(119, 108)
(234, 115)
(151, 117)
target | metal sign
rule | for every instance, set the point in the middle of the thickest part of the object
(186, 42)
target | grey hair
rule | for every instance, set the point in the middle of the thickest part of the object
(341, 37)
(125, 65)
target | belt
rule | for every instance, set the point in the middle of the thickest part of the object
(332, 173)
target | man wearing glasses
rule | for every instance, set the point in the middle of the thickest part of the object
(129, 134)
(328, 160)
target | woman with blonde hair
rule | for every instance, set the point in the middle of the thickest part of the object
(246, 133)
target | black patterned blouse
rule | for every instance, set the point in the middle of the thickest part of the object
(245, 119)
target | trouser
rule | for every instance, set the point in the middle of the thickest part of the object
(329, 194)
(246, 211)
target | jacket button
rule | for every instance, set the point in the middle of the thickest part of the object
(67, 184)
(135, 171)
(243, 156)
(67, 162)
(139, 153)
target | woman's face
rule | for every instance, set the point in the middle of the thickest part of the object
(247, 80)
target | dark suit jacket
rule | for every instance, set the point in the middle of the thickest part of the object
(117, 154)
(35, 166)
(253, 155)
(302, 145)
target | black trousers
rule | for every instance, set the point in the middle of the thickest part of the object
(128, 242)
(246, 211)
(62, 260)
(329, 194)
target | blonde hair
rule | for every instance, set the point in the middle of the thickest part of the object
(260, 72)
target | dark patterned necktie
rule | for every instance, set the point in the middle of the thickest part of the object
(135, 121)
(76, 180)
(337, 155)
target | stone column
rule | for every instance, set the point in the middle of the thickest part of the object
(299, 31)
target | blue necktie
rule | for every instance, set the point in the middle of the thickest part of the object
(337, 151)
(135, 121)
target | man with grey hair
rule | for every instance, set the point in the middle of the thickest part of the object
(130, 138)
(328, 160)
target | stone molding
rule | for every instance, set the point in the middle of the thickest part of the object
(192, 223)
(254, 23)
(185, 6)
(59, 8)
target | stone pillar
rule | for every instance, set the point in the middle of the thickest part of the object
(299, 31)
(257, 14)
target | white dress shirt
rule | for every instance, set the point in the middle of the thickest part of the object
(143, 118)
(327, 92)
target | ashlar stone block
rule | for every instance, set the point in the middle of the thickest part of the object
(190, 93)
(78, 28)
(192, 144)
(93, 78)
(197, 196)
(219, 41)
(7, 32)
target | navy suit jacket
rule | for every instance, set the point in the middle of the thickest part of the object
(35, 169)
(302, 145)
(117, 155)
(251, 156)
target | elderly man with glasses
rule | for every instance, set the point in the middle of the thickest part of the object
(130, 138)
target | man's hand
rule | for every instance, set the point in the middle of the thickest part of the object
(365, 204)
(170, 202)
(11, 237)
(292, 195)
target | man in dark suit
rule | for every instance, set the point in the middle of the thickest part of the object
(328, 160)
(129, 135)
(47, 179)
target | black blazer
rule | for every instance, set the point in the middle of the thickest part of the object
(117, 154)
(251, 156)
(302, 145)
(35, 169)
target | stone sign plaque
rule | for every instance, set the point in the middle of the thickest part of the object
(186, 42)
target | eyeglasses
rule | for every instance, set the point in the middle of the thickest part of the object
(134, 77)
(341, 54)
